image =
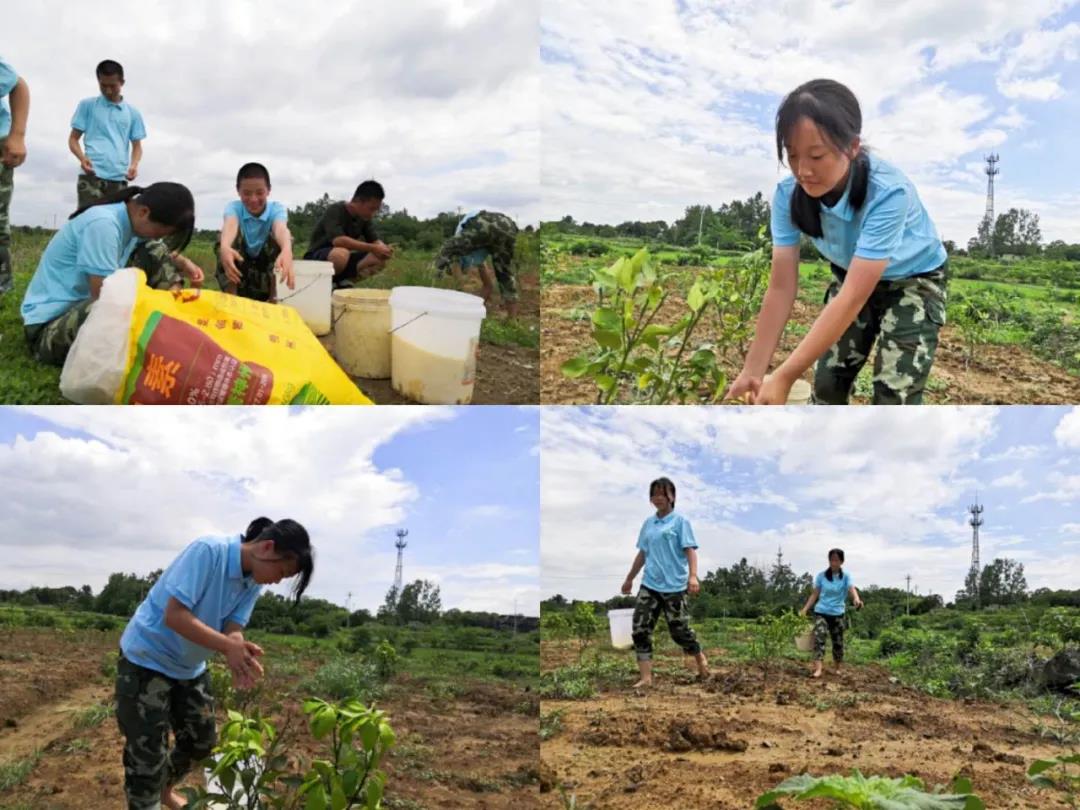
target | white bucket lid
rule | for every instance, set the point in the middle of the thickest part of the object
(446, 303)
(619, 612)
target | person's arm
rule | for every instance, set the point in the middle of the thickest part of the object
(691, 557)
(279, 232)
(834, 320)
(95, 286)
(855, 599)
(230, 255)
(775, 311)
(76, 150)
(242, 656)
(639, 563)
(15, 146)
(136, 156)
(814, 594)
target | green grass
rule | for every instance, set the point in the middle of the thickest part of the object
(94, 715)
(509, 332)
(14, 772)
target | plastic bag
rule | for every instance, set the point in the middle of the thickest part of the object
(197, 347)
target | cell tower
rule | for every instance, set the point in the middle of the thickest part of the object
(988, 217)
(400, 546)
(976, 521)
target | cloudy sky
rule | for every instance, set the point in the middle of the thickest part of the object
(889, 486)
(91, 491)
(434, 98)
(653, 105)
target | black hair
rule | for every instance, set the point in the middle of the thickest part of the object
(252, 171)
(170, 204)
(108, 67)
(839, 552)
(255, 528)
(835, 111)
(665, 486)
(369, 190)
(291, 540)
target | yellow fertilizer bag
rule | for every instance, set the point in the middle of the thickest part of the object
(142, 346)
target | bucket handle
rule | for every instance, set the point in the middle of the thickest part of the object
(295, 293)
(421, 315)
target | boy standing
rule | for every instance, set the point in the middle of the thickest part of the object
(12, 154)
(107, 124)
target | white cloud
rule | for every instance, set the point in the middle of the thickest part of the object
(1068, 430)
(1070, 528)
(436, 100)
(1066, 489)
(1013, 479)
(145, 483)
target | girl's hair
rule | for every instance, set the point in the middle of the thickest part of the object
(291, 540)
(839, 552)
(835, 111)
(253, 171)
(255, 528)
(665, 486)
(170, 204)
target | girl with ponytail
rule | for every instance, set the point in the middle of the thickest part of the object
(889, 265)
(124, 227)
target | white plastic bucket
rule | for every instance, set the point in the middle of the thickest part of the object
(311, 296)
(621, 624)
(434, 335)
(805, 642)
(362, 332)
(800, 393)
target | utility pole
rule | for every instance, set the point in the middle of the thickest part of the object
(988, 216)
(976, 521)
(700, 222)
(907, 601)
(348, 609)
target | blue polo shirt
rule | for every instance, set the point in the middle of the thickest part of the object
(476, 258)
(8, 79)
(664, 541)
(891, 224)
(107, 129)
(833, 595)
(256, 229)
(95, 243)
(208, 580)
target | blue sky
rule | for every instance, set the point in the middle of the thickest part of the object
(642, 120)
(440, 105)
(892, 488)
(97, 490)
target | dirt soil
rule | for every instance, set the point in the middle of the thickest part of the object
(505, 375)
(477, 750)
(722, 743)
(1000, 375)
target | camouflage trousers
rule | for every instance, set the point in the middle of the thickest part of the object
(831, 627)
(490, 231)
(676, 609)
(148, 705)
(89, 188)
(904, 316)
(7, 188)
(257, 279)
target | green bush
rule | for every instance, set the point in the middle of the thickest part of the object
(345, 678)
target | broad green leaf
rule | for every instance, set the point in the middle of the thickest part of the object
(606, 318)
(316, 799)
(337, 797)
(695, 299)
(645, 380)
(609, 339)
(605, 382)
(322, 723)
(575, 368)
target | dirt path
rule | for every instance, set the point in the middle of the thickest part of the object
(723, 743)
(48, 723)
(1001, 374)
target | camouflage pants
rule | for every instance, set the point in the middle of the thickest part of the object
(7, 187)
(256, 272)
(676, 609)
(832, 627)
(148, 705)
(904, 315)
(491, 231)
(89, 188)
(50, 342)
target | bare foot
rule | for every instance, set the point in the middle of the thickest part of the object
(172, 800)
(816, 673)
(703, 674)
(643, 683)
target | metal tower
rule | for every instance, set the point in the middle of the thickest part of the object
(988, 217)
(976, 521)
(400, 546)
